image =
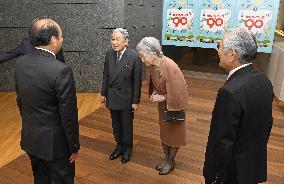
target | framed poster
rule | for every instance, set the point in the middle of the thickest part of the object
(215, 18)
(202, 23)
(259, 17)
(179, 26)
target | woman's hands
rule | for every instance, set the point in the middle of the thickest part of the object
(157, 98)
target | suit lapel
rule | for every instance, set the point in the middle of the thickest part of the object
(119, 65)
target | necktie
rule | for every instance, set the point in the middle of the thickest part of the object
(118, 56)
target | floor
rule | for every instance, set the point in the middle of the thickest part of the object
(93, 165)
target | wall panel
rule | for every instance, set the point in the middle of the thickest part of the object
(86, 25)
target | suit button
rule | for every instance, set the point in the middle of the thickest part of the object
(110, 87)
(119, 89)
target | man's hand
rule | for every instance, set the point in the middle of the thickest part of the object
(73, 157)
(134, 107)
(103, 100)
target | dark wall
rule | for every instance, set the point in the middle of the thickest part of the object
(86, 26)
(143, 18)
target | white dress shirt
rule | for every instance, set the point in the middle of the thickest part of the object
(121, 53)
(46, 50)
(236, 69)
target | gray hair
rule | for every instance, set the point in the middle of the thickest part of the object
(150, 45)
(243, 42)
(122, 31)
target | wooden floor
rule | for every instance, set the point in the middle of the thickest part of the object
(93, 165)
(10, 122)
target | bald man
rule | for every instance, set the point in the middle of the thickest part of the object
(46, 97)
(24, 48)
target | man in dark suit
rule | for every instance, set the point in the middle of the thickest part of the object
(121, 91)
(236, 151)
(46, 97)
(24, 48)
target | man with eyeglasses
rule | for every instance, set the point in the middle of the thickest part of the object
(241, 123)
(25, 47)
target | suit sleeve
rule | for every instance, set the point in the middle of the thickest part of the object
(137, 82)
(6, 56)
(270, 123)
(224, 125)
(67, 105)
(105, 77)
(18, 99)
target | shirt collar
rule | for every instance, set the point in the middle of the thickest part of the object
(46, 50)
(236, 69)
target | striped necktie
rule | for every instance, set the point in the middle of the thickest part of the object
(118, 54)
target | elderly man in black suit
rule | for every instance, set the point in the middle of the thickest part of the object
(24, 48)
(46, 97)
(236, 151)
(121, 91)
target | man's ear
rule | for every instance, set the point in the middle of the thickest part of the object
(53, 41)
(233, 55)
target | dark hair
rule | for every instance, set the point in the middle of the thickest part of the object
(42, 36)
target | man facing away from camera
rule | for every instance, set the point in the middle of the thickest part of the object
(236, 151)
(46, 97)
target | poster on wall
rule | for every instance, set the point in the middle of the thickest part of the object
(202, 23)
(178, 24)
(214, 20)
(259, 17)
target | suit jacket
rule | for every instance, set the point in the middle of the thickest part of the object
(24, 48)
(240, 128)
(46, 97)
(122, 80)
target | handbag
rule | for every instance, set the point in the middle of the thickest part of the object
(173, 116)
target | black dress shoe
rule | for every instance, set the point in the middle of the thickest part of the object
(125, 159)
(115, 154)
